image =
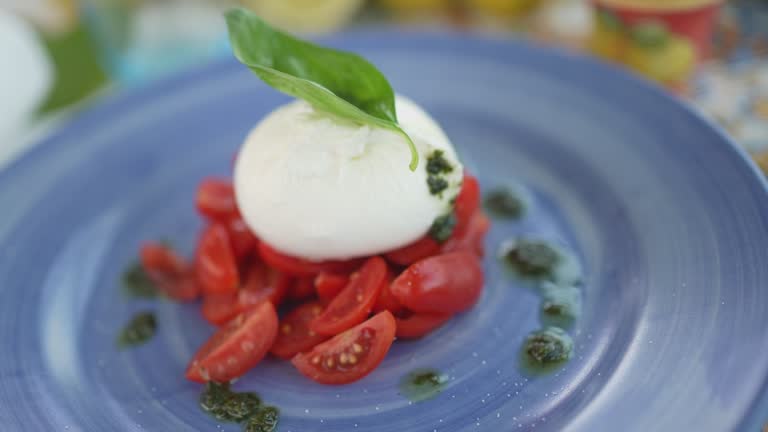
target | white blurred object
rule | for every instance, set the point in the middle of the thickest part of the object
(24, 86)
(306, 16)
(566, 22)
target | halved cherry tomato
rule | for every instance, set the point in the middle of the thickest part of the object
(355, 301)
(417, 325)
(169, 272)
(294, 335)
(472, 238)
(446, 283)
(303, 268)
(387, 300)
(236, 347)
(243, 240)
(329, 285)
(220, 309)
(215, 199)
(302, 289)
(420, 249)
(262, 283)
(351, 355)
(467, 202)
(215, 262)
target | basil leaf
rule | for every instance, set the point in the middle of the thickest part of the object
(335, 82)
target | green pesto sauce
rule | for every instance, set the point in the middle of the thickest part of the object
(138, 331)
(136, 283)
(505, 203)
(560, 304)
(546, 350)
(225, 405)
(539, 260)
(442, 227)
(437, 167)
(422, 384)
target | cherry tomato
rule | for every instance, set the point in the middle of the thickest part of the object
(420, 249)
(220, 309)
(467, 202)
(236, 347)
(294, 335)
(302, 289)
(303, 268)
(169, 272)
(355, 301)
(446, 283)
(215, 199)
(387, 300)
(329, 285)
(472, 239)
(262, 283)
(351, 355)
(215, 262)
(417, 325)
(243, 240)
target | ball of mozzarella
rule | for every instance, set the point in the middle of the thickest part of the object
(321, 188)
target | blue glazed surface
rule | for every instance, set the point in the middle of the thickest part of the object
(666, 217)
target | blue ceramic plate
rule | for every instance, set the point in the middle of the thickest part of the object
(668, 220)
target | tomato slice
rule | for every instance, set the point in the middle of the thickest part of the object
(215, 199)
(387, 300)
(294, 335)
(302, 289)
(351, 355)
(473, 237)
(236, 347)
(417, 325)
(220, 309)
(329, 285)
(243, 240)
(446, 283)
(169, 272)
(355, 301)
(467, 202)
(263, 283)
(420, 249)
(215, 262)
(303, 268)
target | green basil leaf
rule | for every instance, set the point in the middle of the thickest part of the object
(335, 82)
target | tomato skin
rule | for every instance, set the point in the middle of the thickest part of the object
(472, 239)
(420, 324)
(467, 203)
(243, 240)
(262, 283)
(353, 304)
(215, 199)
(420, 249)
(387, 300)
(219, 309)
(446, 283)
(329, 285)
(215, 262)
(169, 272)
(331, 362)
(302, 289)
(300, 267)
(236, 347)
(294, 335)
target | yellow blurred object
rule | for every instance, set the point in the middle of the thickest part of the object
(762, 162)
(509, 8)
(668, 5)
(608, 40)
(659, 55)
(409, 6)
(306, 16)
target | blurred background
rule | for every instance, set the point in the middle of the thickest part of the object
(61, 56)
